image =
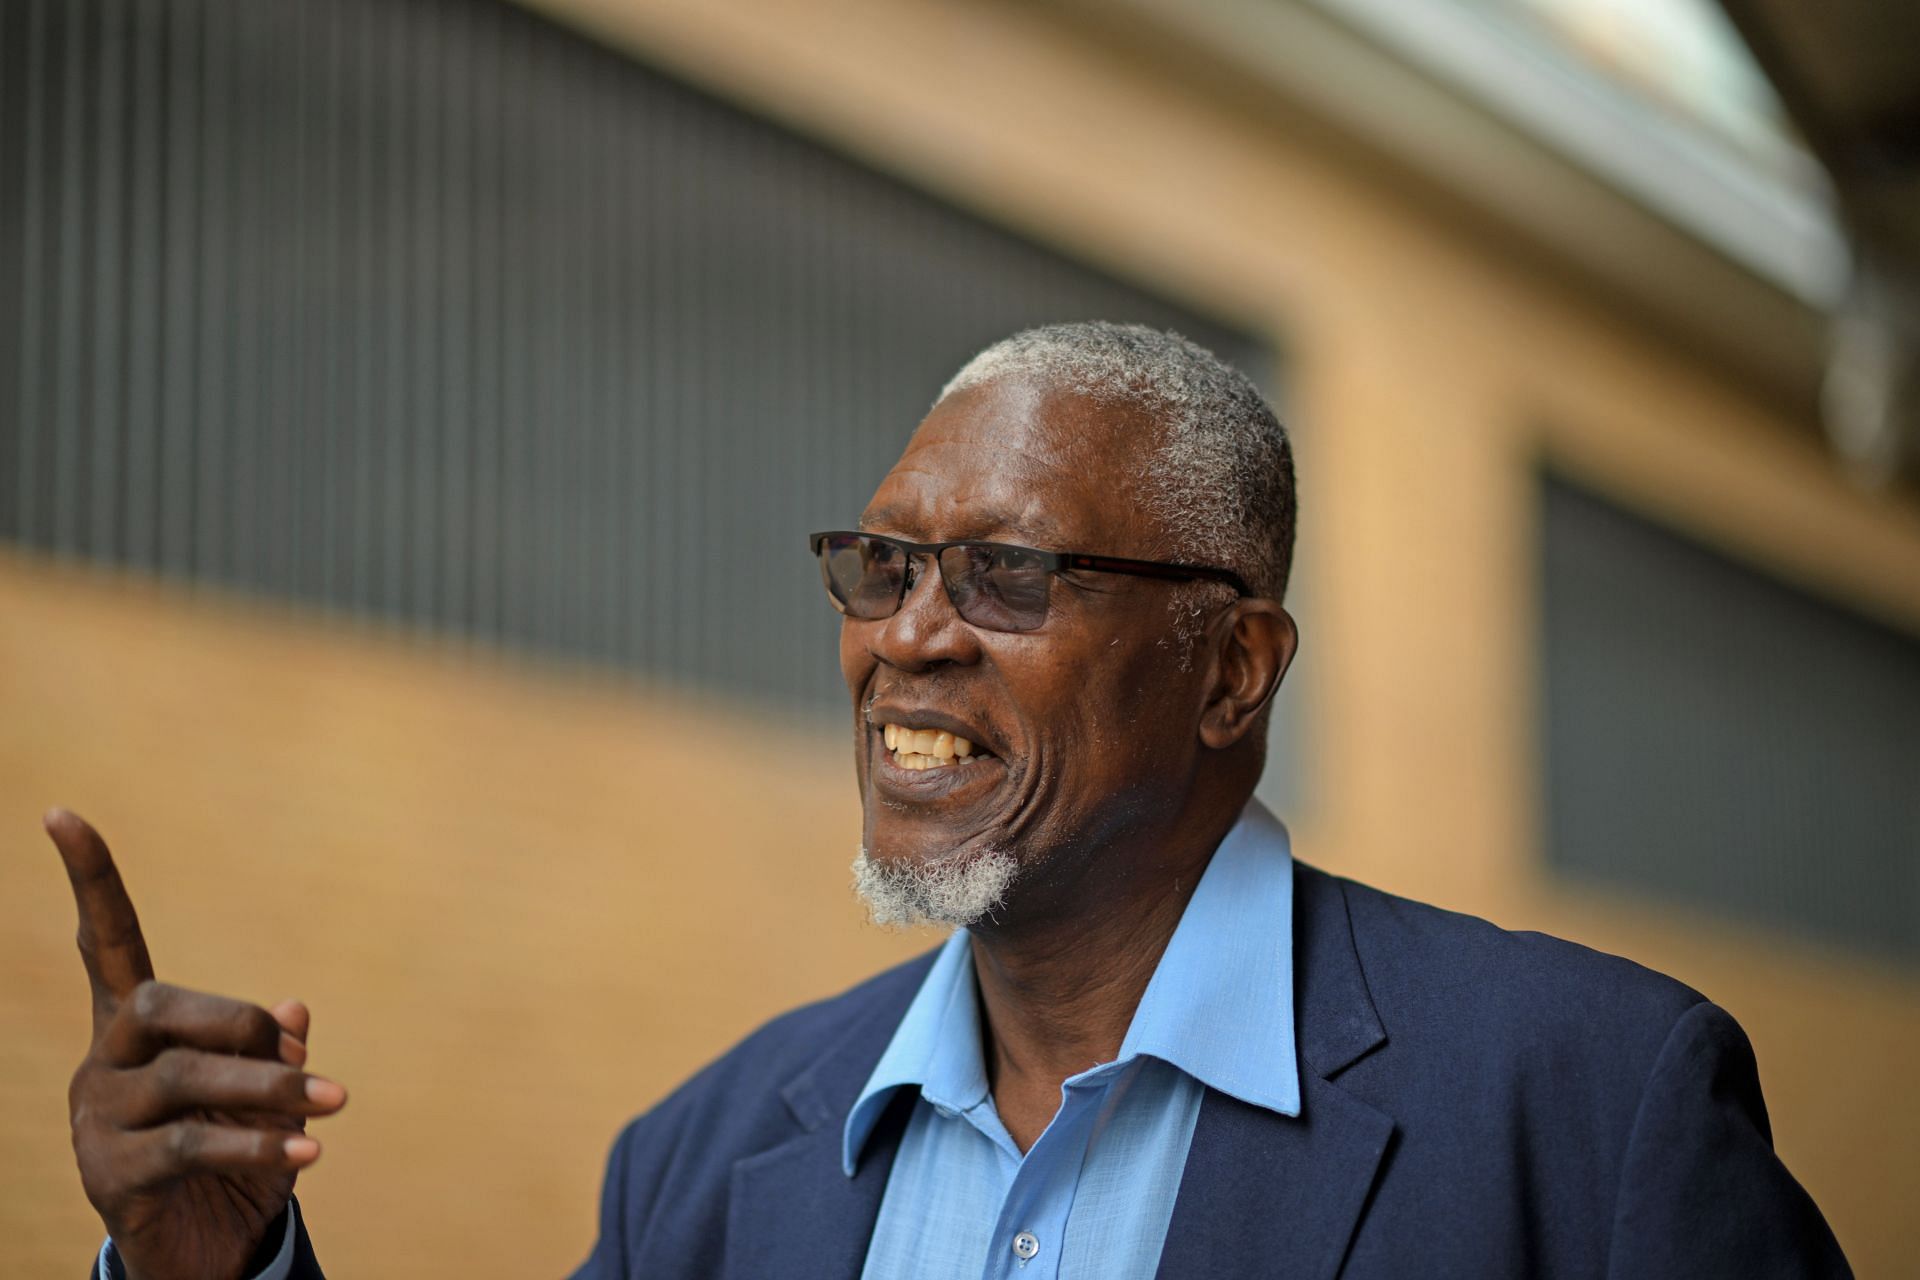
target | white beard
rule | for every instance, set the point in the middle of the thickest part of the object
(952, 892)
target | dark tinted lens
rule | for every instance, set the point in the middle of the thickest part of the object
(863, 575)
(1000, 588)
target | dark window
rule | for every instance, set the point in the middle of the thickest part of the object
(430, 310)
(1723, 739)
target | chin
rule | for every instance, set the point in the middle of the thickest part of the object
(958, 888)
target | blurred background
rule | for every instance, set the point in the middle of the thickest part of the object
(411, 412)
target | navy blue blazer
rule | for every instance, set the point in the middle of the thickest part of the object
(1476, 1103)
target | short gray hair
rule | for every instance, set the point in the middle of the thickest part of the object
(1221, 480)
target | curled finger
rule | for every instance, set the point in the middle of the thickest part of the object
(158, 1015)
(181, 1081)
(160, 1154)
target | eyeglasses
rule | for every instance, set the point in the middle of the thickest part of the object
(994, 585)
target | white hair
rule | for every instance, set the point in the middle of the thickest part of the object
(946, 891)
(1220, 482)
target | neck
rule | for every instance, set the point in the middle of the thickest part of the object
(1059, 985)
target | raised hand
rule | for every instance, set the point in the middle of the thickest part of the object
(189, 1110)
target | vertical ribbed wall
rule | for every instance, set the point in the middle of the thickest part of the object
(1717, 737)
(429, 310)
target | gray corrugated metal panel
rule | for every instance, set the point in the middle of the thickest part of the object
(105, 375)
(214, 426)
(231, 518)
(360, 250)
(13, 20)
(1719, 738)
(431, 311)
(65, 415)
(290, 479)
(329, 368)
(39, 271)
(143, 290)
(17, 220)
(179, 284)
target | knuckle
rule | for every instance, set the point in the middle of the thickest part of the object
(171, 1071)
(148, 1001)
(259, 1029)
(85, 1090)
(185, 1141)
(290, 1085)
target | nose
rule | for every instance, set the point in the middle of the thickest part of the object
(926, 630)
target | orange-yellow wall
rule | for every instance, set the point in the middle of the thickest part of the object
(523, 902)
(522, 905)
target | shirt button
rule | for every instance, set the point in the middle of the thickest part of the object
(1026, 1244)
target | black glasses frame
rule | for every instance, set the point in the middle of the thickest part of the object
(1053, 561)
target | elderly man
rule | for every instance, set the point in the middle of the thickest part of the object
(1155, 1044)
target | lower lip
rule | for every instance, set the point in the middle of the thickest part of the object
(942, 782)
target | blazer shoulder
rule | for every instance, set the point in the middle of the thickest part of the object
(1435, 973)
(668, 1176)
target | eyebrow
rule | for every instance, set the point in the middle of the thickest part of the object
(1038, 528)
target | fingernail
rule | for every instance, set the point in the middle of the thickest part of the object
(292, 1052)
(324, 1093)
(301, 1149)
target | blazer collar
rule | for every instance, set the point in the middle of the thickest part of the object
(1265, 1194)
(1262, 1193)
(792, 1211)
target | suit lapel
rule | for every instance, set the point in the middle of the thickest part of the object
(1267, 1194)
(793, 1211)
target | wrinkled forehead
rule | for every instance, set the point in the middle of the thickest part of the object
(1016, 461)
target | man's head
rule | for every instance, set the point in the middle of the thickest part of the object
(1131, 721)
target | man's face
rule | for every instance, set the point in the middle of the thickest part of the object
(1085, 730)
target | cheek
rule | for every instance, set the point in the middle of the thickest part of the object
(1138, 716)
(856, 664)
(1081, 716)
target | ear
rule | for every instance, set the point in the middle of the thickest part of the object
(1253, 653)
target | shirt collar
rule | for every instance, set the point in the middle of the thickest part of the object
(1219, 1005)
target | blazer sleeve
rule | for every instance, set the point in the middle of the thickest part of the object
(1702, 1193)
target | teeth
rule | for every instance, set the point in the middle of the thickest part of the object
(925, 748)
(916, 760)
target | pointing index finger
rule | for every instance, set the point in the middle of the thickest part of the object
(111, 944)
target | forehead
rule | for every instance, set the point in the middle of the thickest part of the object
(1019, 462)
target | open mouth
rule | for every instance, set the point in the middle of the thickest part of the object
(923, 749)
(923, 755)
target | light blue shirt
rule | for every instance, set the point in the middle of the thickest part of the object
(1093, 1196)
